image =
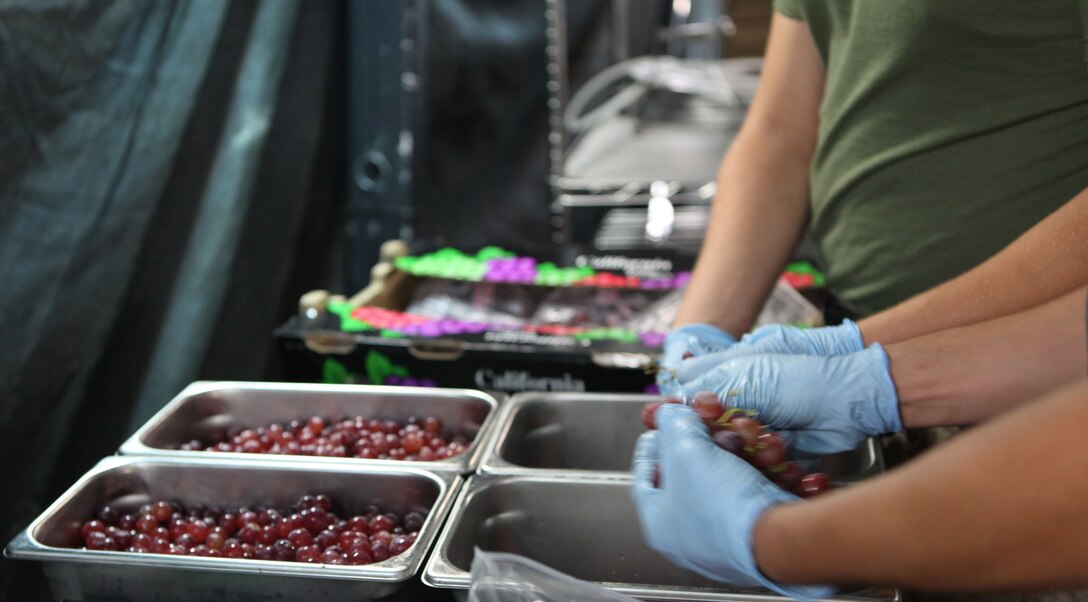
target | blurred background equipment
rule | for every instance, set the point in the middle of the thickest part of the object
(635, 149)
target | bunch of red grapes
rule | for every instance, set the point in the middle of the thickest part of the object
(358, 437)
(309, 531)
(747, 438)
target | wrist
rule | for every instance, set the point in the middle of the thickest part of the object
(787, 551)
(770, 539)
(884, 414)
(869, 331)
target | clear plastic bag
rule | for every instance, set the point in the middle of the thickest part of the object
(784, 306)
(487, 302)
(594, 307)
(502, 577)
(787, 306)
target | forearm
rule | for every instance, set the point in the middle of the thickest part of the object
(762, 201)
(999, 508)
(1008, 282)
(966, 375)
(758, 215)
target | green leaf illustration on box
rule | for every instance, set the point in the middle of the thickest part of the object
(378, 368)
(336, 373)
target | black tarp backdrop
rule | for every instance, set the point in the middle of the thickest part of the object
(113, 120)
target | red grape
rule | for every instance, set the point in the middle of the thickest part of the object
(787, 475)
(262, 552)
(215, 541)
(729, 441)
(308, 554)
(381, 522)
(412, 442)
(738, 433)
(146, 523)
(382, 536)
(300, 537)
(96, 540)
(185, 541)
(308, 532)
(413, 521)
(769, 451)
(141, 542)
(358, 556)
(813, 484)
(349, 537)
(707, 405)
(339, 437)
(127, 522)
(267, 536)
(198, 530)
(122, 537)
(399, 544)
(746, 427)
(649, 412)
(108, 515)
(379, 551)
(283, 550)
(93, 526)
(326, 538)
(359, 523)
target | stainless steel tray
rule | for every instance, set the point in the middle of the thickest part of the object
(586, 528)
(76, 574)
(207, 409)
(581, 434)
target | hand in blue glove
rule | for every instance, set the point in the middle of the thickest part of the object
(823, 405)
(704, 513)
(828, 340)
(696, 339)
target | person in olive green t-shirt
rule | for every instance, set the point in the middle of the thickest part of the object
(915, 138)
(918, 138)
(946, 130)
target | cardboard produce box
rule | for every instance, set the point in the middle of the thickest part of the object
(495, 321)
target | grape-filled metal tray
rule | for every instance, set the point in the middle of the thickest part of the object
(127, 483)
(206, 410)
(586, 528)
(593, 435)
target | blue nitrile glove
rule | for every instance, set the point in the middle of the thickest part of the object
(697, 339)
(823, 405)
(705, 510)
(827, 340)
(787, 340)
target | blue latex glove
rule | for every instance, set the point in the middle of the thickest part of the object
(703, 515)
(828, 340)
(776, 338)
(697, 339)
(823, 405)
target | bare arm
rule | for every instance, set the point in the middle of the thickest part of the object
(1003, 507)
(762, 201)
(969, 374)
(1011, 281)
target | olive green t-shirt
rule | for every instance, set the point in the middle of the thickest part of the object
(947, 129)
